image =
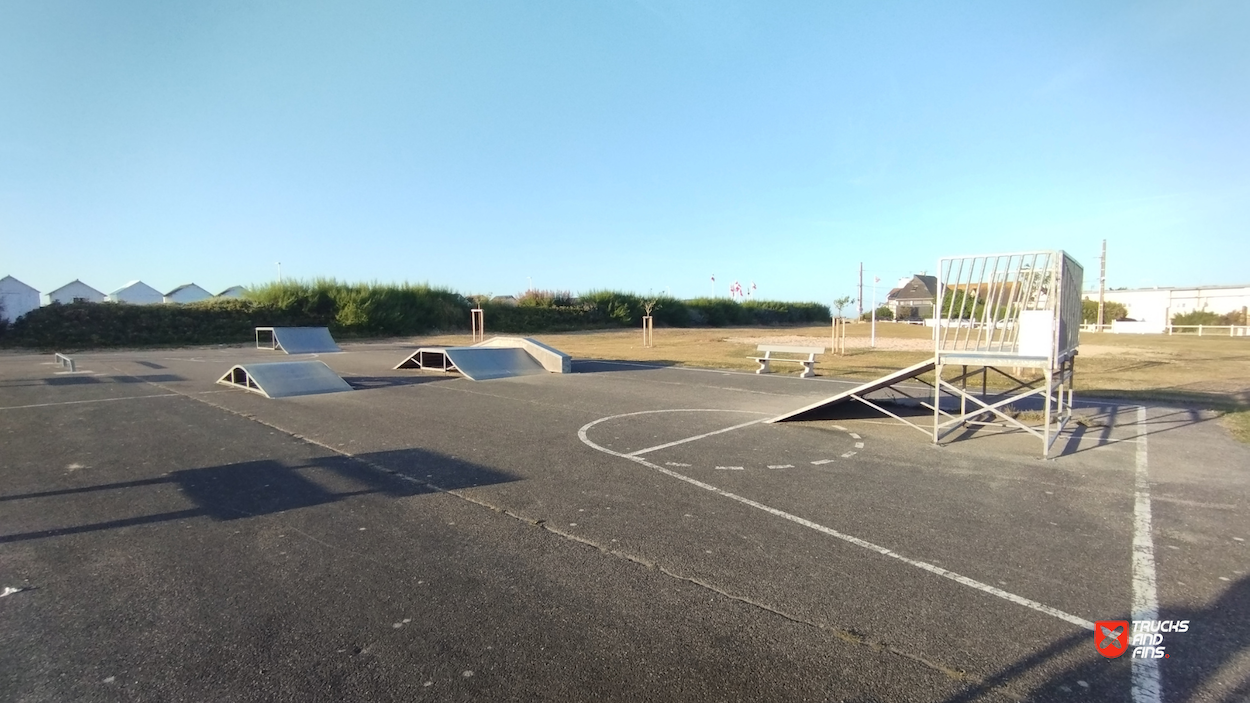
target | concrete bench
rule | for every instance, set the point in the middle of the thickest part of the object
(769, 350)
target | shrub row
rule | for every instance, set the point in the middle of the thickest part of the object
(358, 310)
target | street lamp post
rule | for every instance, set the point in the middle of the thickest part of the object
(279, 271)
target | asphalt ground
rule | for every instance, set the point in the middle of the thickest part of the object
(620, 533)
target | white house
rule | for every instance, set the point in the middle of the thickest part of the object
(233, 292)
(187, 293)
(16, 298)
(75, 292)
(136, 293)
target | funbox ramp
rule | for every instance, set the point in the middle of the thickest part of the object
(284, 379)
(486, 363)
(299, 340)
(551, 359)
(858, 393)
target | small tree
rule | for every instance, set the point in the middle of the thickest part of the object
(841, 303)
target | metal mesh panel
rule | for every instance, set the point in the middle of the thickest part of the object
(982, 301)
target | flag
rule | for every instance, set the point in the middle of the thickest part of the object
(876, 280)
(713, 278)
(752, 285)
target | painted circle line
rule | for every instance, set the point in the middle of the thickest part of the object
(851, 539)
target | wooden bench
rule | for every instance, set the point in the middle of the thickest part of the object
(809, 363)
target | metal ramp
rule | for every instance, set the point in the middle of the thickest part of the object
(551, 358)
(860, 393)
(1016, 315)
(284, 379)
(297, 340)
(475, 363)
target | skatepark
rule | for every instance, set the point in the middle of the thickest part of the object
(396, 521)
(622, 531)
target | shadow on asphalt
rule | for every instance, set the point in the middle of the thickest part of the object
(1091, 431)
(615, 365)
(264, 487)
(1206, 663)
(365, 383)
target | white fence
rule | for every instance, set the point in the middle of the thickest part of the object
(1119, 327)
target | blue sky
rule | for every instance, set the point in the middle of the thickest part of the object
(638, 145)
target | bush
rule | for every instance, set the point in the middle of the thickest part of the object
(1110, 311)
(1198, 317)
(883, 313)
(373, 310)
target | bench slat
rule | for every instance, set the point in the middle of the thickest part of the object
(790, 350)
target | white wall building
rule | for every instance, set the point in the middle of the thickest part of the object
(1156, 306)
(75, 292)
(16, 298)
(187, 293)
(136, 293)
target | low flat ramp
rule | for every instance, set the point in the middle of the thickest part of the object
(301, 340)
(284, 379)
(859, 391)
(552, 359)
(486, 363)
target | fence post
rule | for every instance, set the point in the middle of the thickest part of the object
(1199, 330)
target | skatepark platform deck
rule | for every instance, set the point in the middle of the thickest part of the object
(284, 379)
(298, 340)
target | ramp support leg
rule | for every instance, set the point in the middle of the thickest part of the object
(477, 321)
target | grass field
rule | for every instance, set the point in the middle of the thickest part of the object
(1209, 372)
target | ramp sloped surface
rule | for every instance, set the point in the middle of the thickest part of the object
(486, 363)
(862, 390)
(552, 359)
(284, 379)
(304, 340)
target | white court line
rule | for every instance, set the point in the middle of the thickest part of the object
(1147, 683)
(107, 400)
(658, 447)
(925, 566)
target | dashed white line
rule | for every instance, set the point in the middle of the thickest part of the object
(859, 445)
(731, 468)
(781, 466)
(675, 463)
(848, 455)
(821, 462)
(854, 436)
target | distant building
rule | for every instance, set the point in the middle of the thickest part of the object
(75, 292)
(233, 292)
(505, 300)
(1158, 305)
(136, 293)
(187, 293)
(914, 298)
(16, 298)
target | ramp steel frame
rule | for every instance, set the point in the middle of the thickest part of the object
(994, 312)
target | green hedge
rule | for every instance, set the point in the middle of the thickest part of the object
(359, 310)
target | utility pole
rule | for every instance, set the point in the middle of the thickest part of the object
(1102, 283)
(861, 292)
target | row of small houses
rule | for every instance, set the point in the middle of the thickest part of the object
(17, 298)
